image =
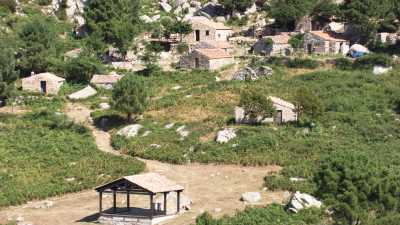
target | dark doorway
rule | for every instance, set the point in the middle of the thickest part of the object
(197, 35)
(279, 117)
(196, 63)
(309, 48)
(43, 87)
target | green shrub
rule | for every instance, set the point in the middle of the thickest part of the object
(44, 2)
(303, 63)
(371, 60)
(343, 64)
(256, 104)
(82, 68)
(182, 48)
(9, 4)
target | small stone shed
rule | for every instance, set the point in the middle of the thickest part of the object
(208, 59)
(285, 111)
(324, 43)
(46, 83)
(207, 30)
(280, 45)
(224, 45)
(149, 184)
(105, 81)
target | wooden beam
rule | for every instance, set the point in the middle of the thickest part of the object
(100, 202)
(114, 201)
(128, 204)
(165, 203)
(151, 206)
(178, 201)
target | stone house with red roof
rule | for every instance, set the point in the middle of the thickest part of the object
(280, 45)
(324, 43)
(205, 30)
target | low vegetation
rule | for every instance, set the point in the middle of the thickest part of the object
(44, 154)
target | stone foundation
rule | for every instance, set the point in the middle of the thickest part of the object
(119, 220)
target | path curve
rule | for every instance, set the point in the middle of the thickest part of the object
(213, 188)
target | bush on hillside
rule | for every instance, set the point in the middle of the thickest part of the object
(371, 60)
(82, 68)
(303, 63)
(9, 4)
(256, 104)
(343, 64)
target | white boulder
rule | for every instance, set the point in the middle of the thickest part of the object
(224, 136)
(251, 197)
(130, 131)
(379, 70)
(85, 93)
(302, 201)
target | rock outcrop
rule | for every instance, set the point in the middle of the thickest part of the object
(301, 201)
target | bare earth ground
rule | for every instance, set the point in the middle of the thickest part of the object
(210, 187)
(13, 110)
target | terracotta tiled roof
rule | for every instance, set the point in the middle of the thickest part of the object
(281, 102)
(214, 53)
(45, 76)
(154, 182)
(205, 21)
(326, 36)
(105, 79)
(282, 38)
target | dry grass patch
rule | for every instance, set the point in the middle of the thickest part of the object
(186, 114)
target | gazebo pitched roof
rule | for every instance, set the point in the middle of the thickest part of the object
(152, 182)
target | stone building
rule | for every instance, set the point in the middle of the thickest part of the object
(323, 43)
(207, 30)
(280, 45)
(207, 59)
(224, 45)
(46, 83)
(285, 112)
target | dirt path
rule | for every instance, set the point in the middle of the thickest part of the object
(213, 188)
(81, 114)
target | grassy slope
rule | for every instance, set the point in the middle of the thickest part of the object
(359, 116)
(39, 152)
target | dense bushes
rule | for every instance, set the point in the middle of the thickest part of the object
(256, 104)
(303, 63)
(9, 4)
(82, 68)
(371, 60)
(356, 183)
(271, 215)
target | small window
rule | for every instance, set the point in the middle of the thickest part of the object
(219, 35)
(207, 33)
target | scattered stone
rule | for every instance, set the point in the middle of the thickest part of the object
(248, 73)
(104, 106)
(19, 219)
(297, 179)
(157, 146)
(379, 70)
(182, 131)
(169, 126)
(224, 136)
(147, 133)
(85, 93)
(217, 79)
(176, 87)
(165, 6)
(44, 205)
(185, 201)
(301, 201)
(130, 131)
(251, 197)
(217, 210)
(70, 179)
(188, 96)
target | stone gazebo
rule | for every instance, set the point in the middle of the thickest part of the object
(149, 184)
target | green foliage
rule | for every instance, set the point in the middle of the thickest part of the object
(37, 43)
(82, 68)
(303, 63)
(356, 183)
(8, 73)
(268, 42)
(343, 64)
(131, 95)
(288, 12)
(297, 41)
(236, 5)
(182, 48)
(256, 104)
(308, 104)
(40, 151)
(8, 4)
(115, 21)
(271, 215)
(371, 60)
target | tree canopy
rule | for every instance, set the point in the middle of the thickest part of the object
(131, 95)
(8, 73)
(115, 21)
(236, 5)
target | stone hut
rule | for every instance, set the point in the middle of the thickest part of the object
(285, 112)
(207, 30)
(208, 59)
(280, 45)
(324, 43)
(224, 45)
(105, 81)
(46, 83)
